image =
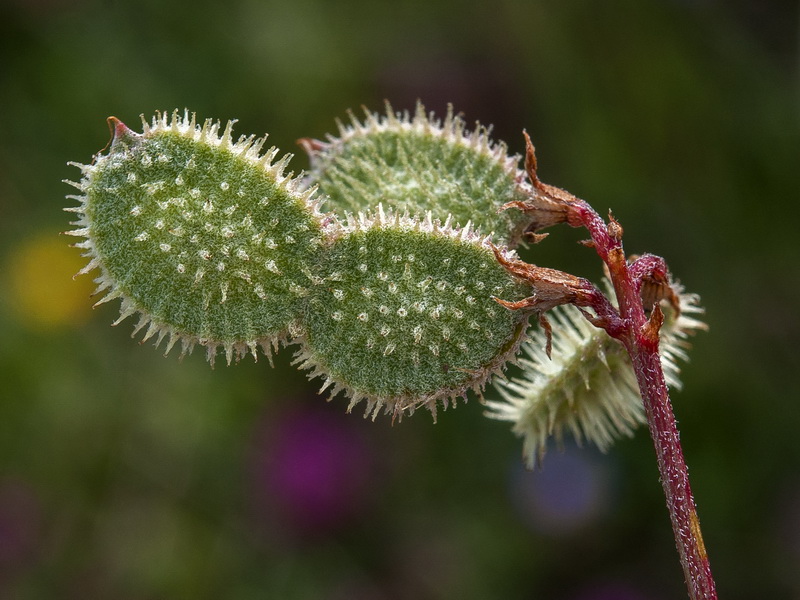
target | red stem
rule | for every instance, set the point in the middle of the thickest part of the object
(640, 337)
(674, 475)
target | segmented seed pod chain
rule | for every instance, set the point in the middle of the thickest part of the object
(209, 242)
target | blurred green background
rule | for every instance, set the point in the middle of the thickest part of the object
(127, 475)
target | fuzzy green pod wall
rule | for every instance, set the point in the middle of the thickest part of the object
(203, 236)
(418, 165)
(404, 315)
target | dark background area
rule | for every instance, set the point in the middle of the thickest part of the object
(127, 475)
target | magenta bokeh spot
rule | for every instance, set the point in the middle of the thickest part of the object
(313, 469)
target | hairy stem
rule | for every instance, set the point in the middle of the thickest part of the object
(674, 475)
(640, 337)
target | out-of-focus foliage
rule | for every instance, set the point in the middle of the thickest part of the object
(124, 474)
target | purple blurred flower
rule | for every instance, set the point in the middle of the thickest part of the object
(569, 492)
(312, 469)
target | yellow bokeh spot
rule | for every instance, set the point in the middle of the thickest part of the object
(40, 283)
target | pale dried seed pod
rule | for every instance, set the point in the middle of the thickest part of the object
(588, 387)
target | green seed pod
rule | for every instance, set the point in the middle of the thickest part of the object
(403, 314)
(588, 386)
(420, 164)
(205, 238)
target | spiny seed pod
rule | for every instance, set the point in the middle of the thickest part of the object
(205, 238)
(588, 387)
(403, 314)
(421, 164)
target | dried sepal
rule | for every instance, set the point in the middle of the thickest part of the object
(655, 284)
(546, 205)
(550, 288)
